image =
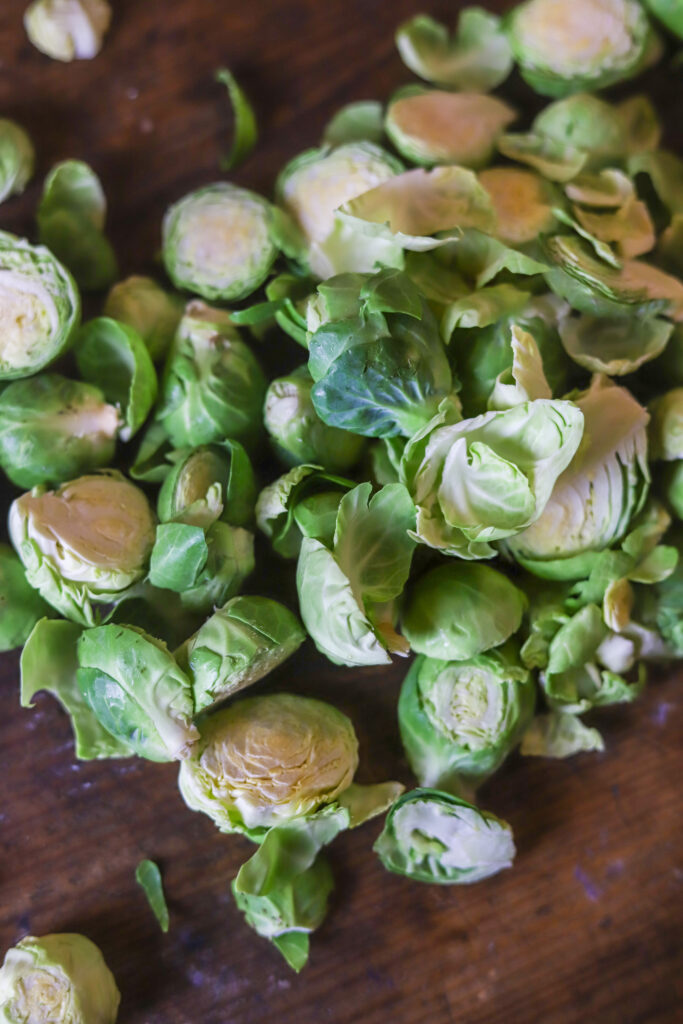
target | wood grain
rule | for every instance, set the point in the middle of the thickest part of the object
(587, 925)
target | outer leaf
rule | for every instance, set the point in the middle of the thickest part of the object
(148, 877)
(245, 132)
(559, 735)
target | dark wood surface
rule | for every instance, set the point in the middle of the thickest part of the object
(587, 925)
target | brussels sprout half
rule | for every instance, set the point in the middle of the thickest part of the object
(209, 483)
(216, 242)
(40, 307)
(17, 157)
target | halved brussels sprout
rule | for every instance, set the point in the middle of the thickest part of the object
(40, 307)
(298, 433)
(209, 483)
(265, 760)
(216, 242)
(460, 719)
(143, 305)
(20, 605)
(562, 47)
(52, 429)
(67, 29)
(212, 387)
(461, 609)
(523, 202)
(59, 978)
(432, 836)
(242, 642)
(17, 157)
(614, 345)
(665, 432)
(432, 127)
(86, 542)
(137, 691)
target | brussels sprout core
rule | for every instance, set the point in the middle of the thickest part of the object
(469, 704)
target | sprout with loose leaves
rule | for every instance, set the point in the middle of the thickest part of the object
(40, 307)
(140, 303)
(209, 483)
(59, 978)
(68, 29)
(303, 502)
(87, 542)
(17, 158)
(431, 836)
(217, 243)
(52, 429)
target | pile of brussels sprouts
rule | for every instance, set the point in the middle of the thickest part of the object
(480, 444)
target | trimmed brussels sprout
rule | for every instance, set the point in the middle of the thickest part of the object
(599, 493)
(216, 242)
(70, 219)
(59, 978)
(52, 429)
(432, 836)
(356, 122)
(616, 345)
(562, 48)
(459, 610)
(298, 433)
(559, 734)
(137, 691)
(213, 387)
(242, 642)
(669, 12)
(346, 592)
(478, 57)
(432, 127)
(87, 542)
(460, 719)
(480, 480)
(317, 182)
(17, 158)
(523, 202)
(68, 29)
(40, 307)
(303, 502)
(380, 367)
(665, 432)
(140, 303)
(265, 760)
(20, 605)
(209, 483)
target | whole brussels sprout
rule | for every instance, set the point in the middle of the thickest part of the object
(267, 759)
(16, 159)
(59, 978)
(40, 309)
(209, 483)
(87, 542)
(52, 429)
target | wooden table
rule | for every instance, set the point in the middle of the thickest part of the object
(587, 925)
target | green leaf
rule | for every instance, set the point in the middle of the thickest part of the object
(148, 877)
(477, 58)
(245, 132)
(179, 555)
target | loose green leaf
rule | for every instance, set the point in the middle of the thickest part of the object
(148, 877)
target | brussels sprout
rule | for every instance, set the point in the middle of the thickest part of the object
(588, 44)
(60, 978)
(459, 610)
(209, 483)
(216, 242)
(148, 877)
(87, 542)
(669, 12)
(137, 691)
(598, 494)
(381, 369)
(70, 219)
(265, 760)
(52, 429)
(480, 480)
(345, 593)
(40, 308)
(245, 133)
(20, 605)
(303, 502)
(478, 57)
(17, 157)
(665, 432)
(140, 303)
(432, 836)
(298, 433)
(317, 182)
(67, 29)
(432, 127)
(356, 122)
(615, 345)
(460, 719)
(629, 229)
(559, 734)
(213, 387)
(523, 203)
(242, 642)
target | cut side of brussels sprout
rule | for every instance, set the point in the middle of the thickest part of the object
(68, 29)
(39, 307)
(17, 158)
(433, 127)
(216, 242)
